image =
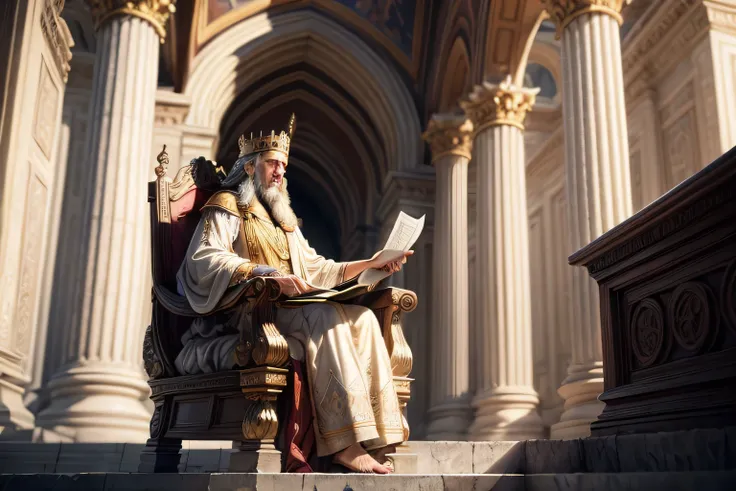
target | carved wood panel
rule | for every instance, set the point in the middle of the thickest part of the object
(682, 320)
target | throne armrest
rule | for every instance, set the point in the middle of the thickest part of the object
(389, 305)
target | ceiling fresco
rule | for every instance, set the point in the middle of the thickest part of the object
(396, 20)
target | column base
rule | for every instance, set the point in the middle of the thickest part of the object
(449, 420)
(14, 416)
(99, 403)
(580, 391)
(506, 414)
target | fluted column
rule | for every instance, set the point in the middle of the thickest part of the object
(598, 184)
(97, 393)
(506, 402)
(450, 139)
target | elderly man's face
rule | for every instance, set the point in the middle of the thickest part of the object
(272, 169)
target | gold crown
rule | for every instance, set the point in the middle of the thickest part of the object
(280, 142)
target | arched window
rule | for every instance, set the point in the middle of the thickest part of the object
(538, 76)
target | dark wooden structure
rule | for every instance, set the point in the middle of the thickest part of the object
(667, 280)
(238, 405)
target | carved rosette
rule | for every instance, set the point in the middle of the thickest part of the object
(562, 12)
(647, 331)
(449, 136)
(691, 315)
(155, 12)
(496, 105)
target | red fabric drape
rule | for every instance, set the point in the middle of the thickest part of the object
(299, 431)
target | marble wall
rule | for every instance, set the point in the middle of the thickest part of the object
(34, 66)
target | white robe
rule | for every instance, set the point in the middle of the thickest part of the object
(348, 368)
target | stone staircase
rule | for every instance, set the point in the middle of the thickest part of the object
(698, 459)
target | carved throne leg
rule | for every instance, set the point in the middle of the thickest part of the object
(256, 452)
(160, 454)
(405, 462)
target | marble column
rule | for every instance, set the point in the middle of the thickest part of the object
(450, 139)
(97, 393)
(506, 402)
(598, 183)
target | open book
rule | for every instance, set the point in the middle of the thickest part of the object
(405, 233)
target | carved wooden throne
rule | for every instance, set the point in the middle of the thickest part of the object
(245, 406)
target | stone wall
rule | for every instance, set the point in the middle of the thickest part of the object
(34, 63)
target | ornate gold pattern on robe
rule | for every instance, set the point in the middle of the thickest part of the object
(267, 242)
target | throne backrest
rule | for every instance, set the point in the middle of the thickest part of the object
(175, 212)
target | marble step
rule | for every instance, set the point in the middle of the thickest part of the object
(685, 451)
(671, 481)
(203, 457)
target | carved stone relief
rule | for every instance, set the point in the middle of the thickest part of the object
(30, 265)
(708, 120)
(6, 307)
(681, 148)
(47, 101)
(57, 35)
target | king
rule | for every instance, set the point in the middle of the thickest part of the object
(249, 229)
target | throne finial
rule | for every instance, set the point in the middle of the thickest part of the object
(163, 162)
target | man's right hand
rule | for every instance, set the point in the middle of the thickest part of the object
(264, 270)
(292, 285)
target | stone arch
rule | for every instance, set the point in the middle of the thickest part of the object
(456, 81)
(510, 31)
(310, 37)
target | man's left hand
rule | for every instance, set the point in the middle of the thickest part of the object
(395, 266)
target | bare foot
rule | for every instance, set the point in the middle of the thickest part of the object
(380, 456)
(357, 459)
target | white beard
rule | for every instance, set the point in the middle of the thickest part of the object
(246, 191)
(276, 200)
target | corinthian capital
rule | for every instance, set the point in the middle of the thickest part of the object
(449, 135)
(502, 104)
(156, 12)
(562, 12)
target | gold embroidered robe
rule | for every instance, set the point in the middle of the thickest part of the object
(348, 367)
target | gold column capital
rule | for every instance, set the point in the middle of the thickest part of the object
(155, 12)
(501, 104)
(562, 12)
(449, 135)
